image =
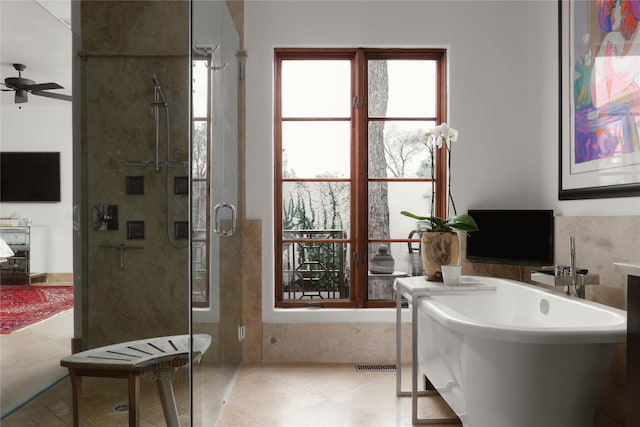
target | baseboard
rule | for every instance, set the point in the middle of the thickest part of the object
(60, 277)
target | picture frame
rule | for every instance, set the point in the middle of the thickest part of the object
(599, 63)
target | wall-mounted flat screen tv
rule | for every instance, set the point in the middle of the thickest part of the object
(29, 176)
(509, 236)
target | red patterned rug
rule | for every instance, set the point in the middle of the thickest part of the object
(24, 305)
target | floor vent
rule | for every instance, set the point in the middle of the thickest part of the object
(376, 368)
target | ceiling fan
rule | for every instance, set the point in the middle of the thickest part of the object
(22, 86)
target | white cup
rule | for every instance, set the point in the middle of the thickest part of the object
(451, 274)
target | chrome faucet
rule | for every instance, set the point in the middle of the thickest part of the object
(578, 289)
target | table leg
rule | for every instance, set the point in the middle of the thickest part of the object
(399, 391)
(414, 359)
(168, 399)
(76, 395)
(134, 400)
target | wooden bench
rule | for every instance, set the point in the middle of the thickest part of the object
(159, 357)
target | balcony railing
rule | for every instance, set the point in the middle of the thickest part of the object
(315, 264)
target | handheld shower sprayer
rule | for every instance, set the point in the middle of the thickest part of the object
(158, 95)
(158, 101)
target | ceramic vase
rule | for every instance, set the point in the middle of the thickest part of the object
(382, 262)
(438, 248)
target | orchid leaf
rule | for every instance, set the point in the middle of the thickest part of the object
(414, 216)
(462, 222)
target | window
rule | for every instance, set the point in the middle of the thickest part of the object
(200, 170)
(349, 156)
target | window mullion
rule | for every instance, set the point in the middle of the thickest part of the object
(360, 175)
(278, 182)
(441, 156)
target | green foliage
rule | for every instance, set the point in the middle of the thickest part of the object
(301, 212)
(462, 222)
(320, 264)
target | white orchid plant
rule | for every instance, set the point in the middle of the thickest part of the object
(442, 136)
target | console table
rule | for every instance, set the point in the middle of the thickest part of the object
(414, 288)
(158, 356)
(29, 260)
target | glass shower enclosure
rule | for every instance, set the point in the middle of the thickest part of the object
(158, 185)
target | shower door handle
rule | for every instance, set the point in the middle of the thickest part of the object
(216, 219)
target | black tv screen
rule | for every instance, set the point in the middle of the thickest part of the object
(29, 176)
(519, 237)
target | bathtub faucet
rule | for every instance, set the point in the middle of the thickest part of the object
(566, 278)
(578, 288)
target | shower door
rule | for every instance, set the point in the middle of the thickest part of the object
(216, 241)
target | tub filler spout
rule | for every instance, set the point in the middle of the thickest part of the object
(570, 279)
(578, 290)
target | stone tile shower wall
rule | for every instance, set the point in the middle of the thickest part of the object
(125, 44)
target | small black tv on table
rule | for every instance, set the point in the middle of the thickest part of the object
(512, 236)
(29, 176)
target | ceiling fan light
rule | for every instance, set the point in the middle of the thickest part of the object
(21, 96)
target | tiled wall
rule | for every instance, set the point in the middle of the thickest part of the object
(601, 241)
(127, 42)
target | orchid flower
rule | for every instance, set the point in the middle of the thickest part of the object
(441, 135)
(437, 137)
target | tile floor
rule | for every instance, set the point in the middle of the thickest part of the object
(321, 396)
(261, 396)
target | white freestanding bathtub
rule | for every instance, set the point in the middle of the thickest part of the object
(520, 356)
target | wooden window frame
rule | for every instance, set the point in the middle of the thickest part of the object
(359, 179)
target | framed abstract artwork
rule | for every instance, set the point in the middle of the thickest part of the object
(599, 99)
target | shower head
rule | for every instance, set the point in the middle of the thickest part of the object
(205, 50)
(159, 98)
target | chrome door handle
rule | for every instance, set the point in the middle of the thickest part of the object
(216, 219)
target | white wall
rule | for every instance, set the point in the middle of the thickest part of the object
(44, 126)
(503, 64)
(43, 43)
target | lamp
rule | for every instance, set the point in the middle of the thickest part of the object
(5, 251)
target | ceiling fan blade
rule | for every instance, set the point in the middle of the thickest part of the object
(43, 86)
(53, 95)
